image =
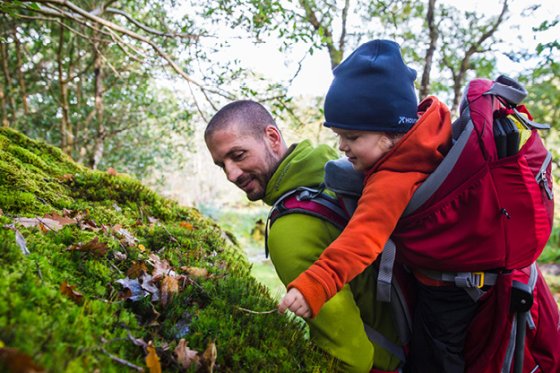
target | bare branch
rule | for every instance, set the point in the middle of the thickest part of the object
(149, 29)
(86, 15)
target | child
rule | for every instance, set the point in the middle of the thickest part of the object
(371, 105)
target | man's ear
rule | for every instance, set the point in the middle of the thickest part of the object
(274, 138)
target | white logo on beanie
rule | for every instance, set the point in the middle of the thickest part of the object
(407, 120)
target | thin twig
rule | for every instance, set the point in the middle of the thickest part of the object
(256, 312)
(170, 235)
(122, 361)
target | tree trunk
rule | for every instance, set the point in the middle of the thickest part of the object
(475, 47)
(8, 80)
(66, 136)
(5, 122)
(433, 37)
(335, 54)
(99, 144)
(22, 87)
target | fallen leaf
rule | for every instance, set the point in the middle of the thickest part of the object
(88, 225)
(161, 267)
(43, 228)
(185, 356)
(186, 225)
(111, 171)
(67, 177)
(139, 288)
(196, 272)
(70, 292)
(47, 224)
(62, 220)
(126, 237)
(152, 359)
(1, 212)
(93, 246)
(169, 287)
(120, 256)
(20, 241)
(209, 357)
(141, 247)
(16, 361)
(136, 270)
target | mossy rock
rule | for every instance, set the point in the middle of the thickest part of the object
(70, 236)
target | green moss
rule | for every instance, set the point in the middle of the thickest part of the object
(81, 333)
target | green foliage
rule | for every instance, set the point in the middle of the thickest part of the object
(82, 334)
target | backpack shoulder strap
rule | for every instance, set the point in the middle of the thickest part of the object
(309, 201)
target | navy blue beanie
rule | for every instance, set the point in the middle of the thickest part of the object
(372, 90)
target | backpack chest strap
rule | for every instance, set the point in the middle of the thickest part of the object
(307, 201)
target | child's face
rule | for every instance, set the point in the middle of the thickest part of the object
(363, 148)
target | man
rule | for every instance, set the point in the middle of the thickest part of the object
(246, 143)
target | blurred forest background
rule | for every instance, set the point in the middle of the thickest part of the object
(131, 84)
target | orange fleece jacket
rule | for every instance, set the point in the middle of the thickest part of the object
(388, 187)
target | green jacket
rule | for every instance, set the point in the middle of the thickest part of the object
(295, 241)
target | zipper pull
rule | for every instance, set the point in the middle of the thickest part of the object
(545, 185)
(505, 213)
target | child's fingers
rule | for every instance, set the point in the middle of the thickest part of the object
(286, 302)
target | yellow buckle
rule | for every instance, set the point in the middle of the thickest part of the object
(480, 276)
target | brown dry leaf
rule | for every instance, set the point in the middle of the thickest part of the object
(137, 269)
(62, 220)
(161, 268)
(169, 287)
(88, 225)
(44, 224)
(152, 359)
(196, 272)
(1, 212)
(17, 361)
(111, 171)
(67, 177)
(186, 225)
(93, 246)
(70, 292)
(185, 356)
(209, 357)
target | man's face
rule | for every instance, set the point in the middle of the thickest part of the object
(248, 162)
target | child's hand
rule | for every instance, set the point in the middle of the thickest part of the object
(295, 302)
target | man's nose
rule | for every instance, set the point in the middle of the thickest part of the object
(232, 171)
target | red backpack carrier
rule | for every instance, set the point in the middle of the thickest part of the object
(482, 218)
(479, 210)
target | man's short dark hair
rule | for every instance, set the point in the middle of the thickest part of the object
(250, 117)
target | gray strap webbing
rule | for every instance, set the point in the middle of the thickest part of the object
(471, 282)
(506, 368)
(508, 89)
(401, 314)
(380, 340)
(385, 276)
(434, 181)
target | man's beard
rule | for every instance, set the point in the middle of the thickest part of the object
(271, 163)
